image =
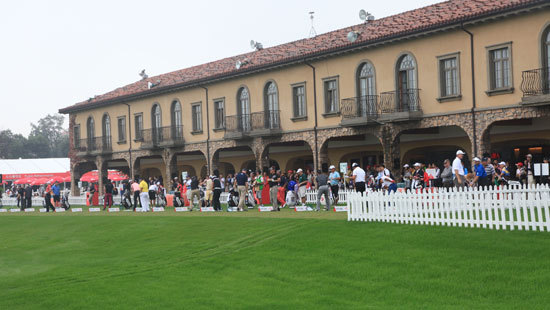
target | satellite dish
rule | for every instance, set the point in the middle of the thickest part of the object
(363, 15)
(252, 44)
(352, 36)
(238, 64)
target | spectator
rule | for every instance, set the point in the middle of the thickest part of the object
(407, 176)
(447, 174)
(302, 185)
(134, 186)
(521, 173)
(195, 192)
(56, 194)
(480, 175)
(28, 196)
(209, 192)
(258, 187)
(321, 182)
(274, 180)
(108, 197)
(334, 178)
(217, 190)
(529, 170)
(489, 170)
(458, 169)
(241, 182)
(358, 176)
(418, 176)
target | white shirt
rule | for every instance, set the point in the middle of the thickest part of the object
(359, 174)
(386, 181)
(457, 165)
(153, 187)
(383, 173)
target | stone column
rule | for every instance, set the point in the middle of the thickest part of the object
(75, 176)
(102, 174)
(171, 168)
(392, 154)
(323, 156)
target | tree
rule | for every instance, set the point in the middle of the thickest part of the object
(48, 138)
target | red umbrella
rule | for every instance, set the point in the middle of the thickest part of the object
(93, 176)
(56, 179)
(119, 177)
(40, 181)
(24, 181)
(66, 179)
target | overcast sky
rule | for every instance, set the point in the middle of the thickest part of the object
(56, 53)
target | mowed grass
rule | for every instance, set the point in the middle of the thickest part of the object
(253, 260)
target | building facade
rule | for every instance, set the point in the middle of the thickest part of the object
(416, 86)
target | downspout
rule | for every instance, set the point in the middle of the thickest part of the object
(473, 90)
(130, 140)
(315, 111)
(208, 161)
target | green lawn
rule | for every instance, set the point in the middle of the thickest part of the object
(285, 260)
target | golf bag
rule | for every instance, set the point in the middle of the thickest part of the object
(291, 198)
(178, 201)
(127, 200)
(232, 199)
(249, 200)
(65, 201)
(161, 198)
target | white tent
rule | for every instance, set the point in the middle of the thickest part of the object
(13, 168)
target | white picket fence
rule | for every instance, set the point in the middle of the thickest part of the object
(311, 196)
(506, 208)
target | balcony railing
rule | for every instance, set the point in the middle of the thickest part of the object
(266, 120)
(406, 100)
(238, 123)
(535, 82)
(162, 136)
(364, 107)
(94, 144)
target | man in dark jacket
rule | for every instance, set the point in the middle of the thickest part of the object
(28, 196)
(217, 191)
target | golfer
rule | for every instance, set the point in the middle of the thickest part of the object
(322, 189)
(144, 195)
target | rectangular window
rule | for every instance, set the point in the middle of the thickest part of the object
(449, 77)
(76, 136)
(500, 68)
(138, 123)
(219, 114)
(499, 60)
(196, 114)
(122, 129)
(299, 100)
(331, 96)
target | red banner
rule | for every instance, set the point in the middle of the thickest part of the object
(13, 177)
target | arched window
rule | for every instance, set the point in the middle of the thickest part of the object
(366, 90)
(243, 108)
(271, 99)
(407, 95)
(177, 130)
(156, 123)
(106, 130)
(90, 128)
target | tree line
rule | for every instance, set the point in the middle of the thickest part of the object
(48, 138)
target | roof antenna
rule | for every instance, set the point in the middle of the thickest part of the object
(143, 74)
(312, 32)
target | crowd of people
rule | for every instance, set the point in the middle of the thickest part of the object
(24, 194)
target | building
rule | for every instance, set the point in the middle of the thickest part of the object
(415, 86)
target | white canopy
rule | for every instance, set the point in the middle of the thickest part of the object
(28, 166)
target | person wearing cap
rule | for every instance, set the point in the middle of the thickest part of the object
(321, 182)
(521, 173)
(447, 174)
(480, 175)
(334, 179)
(258, 184)
(529, 169)
(458, 169)
(407, 176)
(504, 174)
(216, 191)
(302, 184)
(359, 177)
(418, 176)
(209, 192)
(241, 183)
(153, 188)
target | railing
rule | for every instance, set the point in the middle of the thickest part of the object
(156, 136)
(535, 82)
(93, 144)
(311, 197)
(406, 100)
(508, 207)
(238, 123)
(359, 107)
(266, 120)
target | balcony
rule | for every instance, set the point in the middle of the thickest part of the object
(170, 136)
(359, 111)
(238, 126)
(400, 105)
(94, 146)
(535, 85)
(266, 123)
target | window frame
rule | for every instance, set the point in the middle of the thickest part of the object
(123, 131)
(443, 97)
(327, 80)
(293, 87)
(194, 120)
(492, 91)
(76, 136)
(216, 121)
(138, 134)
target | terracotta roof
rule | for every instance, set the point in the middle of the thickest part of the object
(418, 20)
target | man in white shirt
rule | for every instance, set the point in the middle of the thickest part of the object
(358, 177)
(458, 170)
